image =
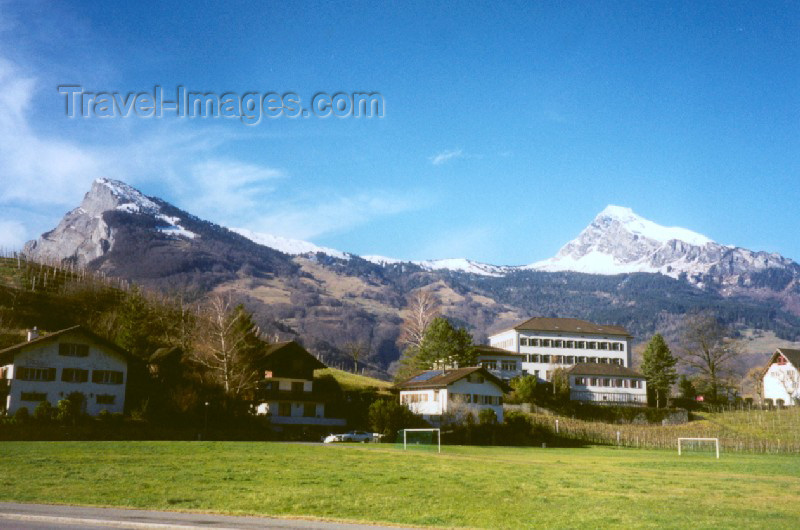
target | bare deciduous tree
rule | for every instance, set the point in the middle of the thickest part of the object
(423, 307)
(707, 348)
(226, 344)
(356, 350)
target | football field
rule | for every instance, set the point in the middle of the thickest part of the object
(485, 487)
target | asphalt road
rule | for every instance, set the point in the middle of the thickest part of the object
(44, 516)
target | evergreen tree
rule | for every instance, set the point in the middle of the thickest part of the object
(658, 367)
(443, 344)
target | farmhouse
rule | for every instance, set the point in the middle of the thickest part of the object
(437, 393)
(286, 393)
(607, 384)
(781, 377)
(550, 343)
(54, 366)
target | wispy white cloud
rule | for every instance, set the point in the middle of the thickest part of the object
(446, 156)
(12, 235)
(312, 218)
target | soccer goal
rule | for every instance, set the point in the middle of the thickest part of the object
(422, 437)
(697, 443)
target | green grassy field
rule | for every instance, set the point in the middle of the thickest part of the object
(463, 487)
(350, 381)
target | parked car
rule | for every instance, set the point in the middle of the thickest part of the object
(352, 436)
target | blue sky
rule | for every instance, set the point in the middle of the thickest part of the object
(507, 127)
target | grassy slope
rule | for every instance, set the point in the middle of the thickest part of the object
(755, 430)
(350, 381)
(465, 486)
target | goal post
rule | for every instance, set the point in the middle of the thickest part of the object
(715, 440)
(437, 432)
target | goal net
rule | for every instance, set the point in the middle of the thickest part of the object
(421, 439)
(698, 445)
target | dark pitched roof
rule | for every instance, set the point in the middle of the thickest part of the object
(7, 354)
(483, 349)
(291, 347)
(613, 370)
(569, 325)
(442, 378)
(792, 355)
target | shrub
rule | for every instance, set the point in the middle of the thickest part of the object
(43, 411)
(22, 415)
(487, 417)
(104, 416)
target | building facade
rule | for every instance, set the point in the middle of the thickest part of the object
(286, 393)
(435, 394)
(781, 378)
(54, 366)
(551, 343)
(607, 384)
(504, 364)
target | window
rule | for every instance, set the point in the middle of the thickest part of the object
(546, 342)
(569, 344)
(606, 381)
(284, 409)
(489, 365)
(558, 343)
(591, 345)
(105, 399)
(68, 349)
(309, 410)
(33, 396)
(618, 383)
(595, 381)
(508, 365)
(534, 342)
(36, 374)
(603, 360)
(569, 359)
(535, 358)
(580, 344)
(622, 346)
(602, 345)
(580, 381)
(523, 341)
(614, 346)
(545, 358)
(536, 373)
(581, 359)
(107, 377)
(558, 359)
(74, 375)
(297, 387)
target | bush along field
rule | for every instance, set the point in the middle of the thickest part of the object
(476, 487)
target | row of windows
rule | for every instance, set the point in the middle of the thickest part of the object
(609, 382)
(73, 350)
(70, 375)
(571, 359)
(285, 409)
(100, 399)
(415, 398)
(576, 344)
(504, 365)
(476, 399)
(610, 397)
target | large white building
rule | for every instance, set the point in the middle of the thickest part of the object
(434, 394)
(53, 366)
(550, 343)
(782, 377)
(607, 384)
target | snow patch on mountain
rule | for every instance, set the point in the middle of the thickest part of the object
(641, 226)
(293, 247)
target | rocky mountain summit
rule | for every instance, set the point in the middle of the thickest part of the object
(622, 269)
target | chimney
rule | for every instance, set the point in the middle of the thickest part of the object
(33, 334)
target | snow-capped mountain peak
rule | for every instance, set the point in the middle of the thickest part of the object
(642, 227)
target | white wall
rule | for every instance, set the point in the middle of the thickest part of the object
(782, 382)
(435, 403)
(594, 391)
(46, 355)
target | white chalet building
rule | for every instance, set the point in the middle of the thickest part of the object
(550, 343)
(435, 393)
(53, 366)
(782, 377)
(607, 384)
